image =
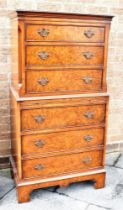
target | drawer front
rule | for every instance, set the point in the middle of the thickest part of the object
(63, 81)
(56, 165)
(62, 116)
(64, 33)
(63, 55)
(62, 141)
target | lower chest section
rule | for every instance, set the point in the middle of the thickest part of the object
(62, 136)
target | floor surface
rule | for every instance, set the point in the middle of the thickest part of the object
(78, 196)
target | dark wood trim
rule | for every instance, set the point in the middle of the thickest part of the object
(47, 14)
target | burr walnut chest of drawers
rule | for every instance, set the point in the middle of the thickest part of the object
(59, 102)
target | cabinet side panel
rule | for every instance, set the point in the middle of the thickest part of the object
(14, 52)
(104, 81)
(15, 134)
(106, 128)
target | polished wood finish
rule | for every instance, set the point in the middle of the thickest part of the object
(59, 107)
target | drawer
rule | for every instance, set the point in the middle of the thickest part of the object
(67, 55)
(63, 81)
(62, 115)
(62, 141)
(42, 32)
(56, 165)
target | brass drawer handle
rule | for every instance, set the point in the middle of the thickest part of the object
(87, 160)
(39, 167)
(39, 118)
(43, 32)
(89, 33)
(43, 81)
(88, 138)
(39, 143)
(87, 79)
(43, 55)
(89, 115)
(88, 54)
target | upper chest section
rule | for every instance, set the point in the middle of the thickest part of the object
(66, 51)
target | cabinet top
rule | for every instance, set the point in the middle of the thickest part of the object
(47, 14)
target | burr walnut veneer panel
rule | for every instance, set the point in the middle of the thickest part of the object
(62, 81)
(62, 141)
(56, 32)
(65, 55)
(53, 166)
(61, 116)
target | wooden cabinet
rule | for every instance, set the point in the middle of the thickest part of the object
(59, 104)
